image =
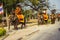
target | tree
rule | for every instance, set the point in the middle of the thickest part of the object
(9, 4)
(36, 4)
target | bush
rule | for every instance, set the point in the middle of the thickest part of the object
(2, 31)
(49, 21)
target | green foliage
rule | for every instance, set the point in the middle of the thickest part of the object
(27, 13)
(21, 0)
(49, 21)
(2, 31)
(0, 17)
(12, 3)
(34, 2)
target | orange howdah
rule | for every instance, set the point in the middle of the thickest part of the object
(20, 18)
(45, 17)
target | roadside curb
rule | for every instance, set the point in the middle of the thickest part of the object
(4, 37)
(32, 33)
(27, 35)
(31, 24)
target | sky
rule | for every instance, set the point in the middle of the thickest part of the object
(56, 3)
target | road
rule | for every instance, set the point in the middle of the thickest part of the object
(47, 32)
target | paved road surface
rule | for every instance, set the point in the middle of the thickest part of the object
(49, 32)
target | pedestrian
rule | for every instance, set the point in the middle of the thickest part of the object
(20, 16)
